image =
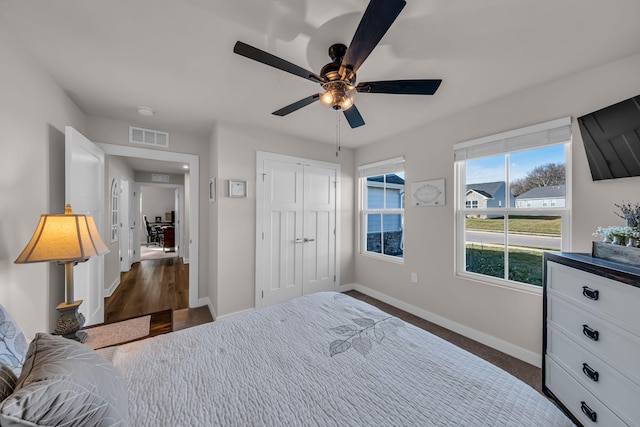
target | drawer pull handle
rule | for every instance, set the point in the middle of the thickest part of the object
(593, 416)
(590, 332)
(593, 294)
(590, 372)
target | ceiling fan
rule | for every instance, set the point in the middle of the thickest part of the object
(338, 78)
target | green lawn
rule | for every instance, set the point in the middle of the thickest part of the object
(524, 266)
(518, 224)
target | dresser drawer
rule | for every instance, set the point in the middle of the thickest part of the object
(619, 393)
(601, 296)
(577, 399)
(617, 347)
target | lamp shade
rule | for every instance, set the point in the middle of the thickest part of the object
(63, 238)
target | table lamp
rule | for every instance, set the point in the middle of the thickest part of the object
(67, 239)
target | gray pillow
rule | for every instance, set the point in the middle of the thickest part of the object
(13, 344)
(8, 381)
(64, 382)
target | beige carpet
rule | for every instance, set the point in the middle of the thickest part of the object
(118, 332)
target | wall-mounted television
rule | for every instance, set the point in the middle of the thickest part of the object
(611, 138)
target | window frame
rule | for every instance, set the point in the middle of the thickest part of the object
(383, 168)
(461, 211)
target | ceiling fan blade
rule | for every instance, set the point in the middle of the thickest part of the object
(404, 87)
(353, 117)
(374, 24)
(297, 105)
(273, 61)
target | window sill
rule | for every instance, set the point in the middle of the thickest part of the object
(387, 258)
(502, 283)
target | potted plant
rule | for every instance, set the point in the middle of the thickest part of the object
(630, 213)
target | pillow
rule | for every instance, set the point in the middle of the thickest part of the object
(64, 382)
(13, 344)
(8, 381)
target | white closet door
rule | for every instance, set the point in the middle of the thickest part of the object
(282, 226)
(319, 229)
(296, 228)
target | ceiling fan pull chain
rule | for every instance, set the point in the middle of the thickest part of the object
(337, 132)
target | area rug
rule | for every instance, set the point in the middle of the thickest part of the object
(118, 332)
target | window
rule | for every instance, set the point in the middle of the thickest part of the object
(382, 208)
(519, 181)
(114, 210)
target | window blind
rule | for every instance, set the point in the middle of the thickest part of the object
(382, 168)
(547, 133)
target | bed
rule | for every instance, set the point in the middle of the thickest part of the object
(321, 360)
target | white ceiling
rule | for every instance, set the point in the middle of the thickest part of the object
(176, 57)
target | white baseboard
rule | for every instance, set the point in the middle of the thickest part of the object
(206, 301)
(236, 312)
(347, 287)
(518, 352)
(111, 289)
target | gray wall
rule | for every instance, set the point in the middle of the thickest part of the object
(234, 220)
(507, 318)
(33, 114)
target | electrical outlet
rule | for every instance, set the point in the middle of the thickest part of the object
(414, 277)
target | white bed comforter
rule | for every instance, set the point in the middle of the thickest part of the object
(320, 360)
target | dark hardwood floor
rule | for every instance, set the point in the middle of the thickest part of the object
(153, 286)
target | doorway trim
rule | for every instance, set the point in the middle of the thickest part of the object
(260, 157)
(194, 202)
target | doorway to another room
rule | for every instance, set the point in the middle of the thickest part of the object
(161, 233)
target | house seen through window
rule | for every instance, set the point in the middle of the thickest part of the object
(382, 208)
(513, 202)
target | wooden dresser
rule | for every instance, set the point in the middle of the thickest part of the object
(591, 341)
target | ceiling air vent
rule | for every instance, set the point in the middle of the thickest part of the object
(148, 137)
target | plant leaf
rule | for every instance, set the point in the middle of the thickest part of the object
(389, 328)
(362, 344)
(338, 346)
(363, 322)
(376, 334)
(7, 330)
(345, 329)
(10, 360)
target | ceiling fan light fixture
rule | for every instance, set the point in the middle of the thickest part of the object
(338, 95)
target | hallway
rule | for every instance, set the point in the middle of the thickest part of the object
(152, 286)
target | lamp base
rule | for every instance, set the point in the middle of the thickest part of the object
(70, 321)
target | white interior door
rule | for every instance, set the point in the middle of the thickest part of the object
(178, 220)
(296, 228)
(282, 241)
(134, 215)
(319, 246)
(84, 191)
(124, 237)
